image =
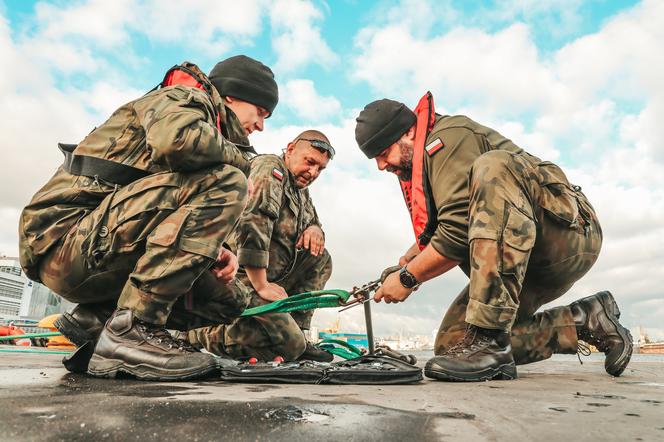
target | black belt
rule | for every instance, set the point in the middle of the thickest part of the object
(93, 167)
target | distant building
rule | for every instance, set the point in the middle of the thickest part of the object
(21, 298)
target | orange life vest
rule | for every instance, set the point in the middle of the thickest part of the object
(180, 74)
(416, 192)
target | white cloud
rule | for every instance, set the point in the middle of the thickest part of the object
(296, 40)
(8, 227)
(101, 22)
(302, 98)
(212, 25)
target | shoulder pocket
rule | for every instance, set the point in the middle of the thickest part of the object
(270, 196)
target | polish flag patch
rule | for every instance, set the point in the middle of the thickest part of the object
(278, 174)
(434, 146)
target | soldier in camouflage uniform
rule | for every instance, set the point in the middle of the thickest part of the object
(281, 250)
(515, 225)
(150, 252)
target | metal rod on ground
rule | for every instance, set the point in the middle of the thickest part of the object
(367, 320)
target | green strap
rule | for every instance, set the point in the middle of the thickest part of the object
(340, 348)
(34, 350)
(302, 301)
(29, 335)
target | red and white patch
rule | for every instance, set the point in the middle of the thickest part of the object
(434, 146)
(278, 174)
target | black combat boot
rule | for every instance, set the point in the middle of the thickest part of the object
(481, 355)
(146, 351)
(85, 322)
(82, 326)
(313, 353)
(596, 319)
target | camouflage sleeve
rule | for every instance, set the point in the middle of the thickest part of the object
(448, 170)
(254, 232)
(311, 213)
(181, 133)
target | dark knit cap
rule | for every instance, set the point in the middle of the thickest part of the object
(381, 124)
(247, 79)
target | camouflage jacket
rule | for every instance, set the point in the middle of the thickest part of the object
(276, 215)
(448, 171)
(172, 129)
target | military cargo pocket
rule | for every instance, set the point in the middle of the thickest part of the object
(519, 235)
(139, 209)
(167, 232)
(557, 197)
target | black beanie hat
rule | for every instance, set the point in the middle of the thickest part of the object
(380, 124)
(247, 79)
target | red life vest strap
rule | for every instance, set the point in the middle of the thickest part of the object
(413, 190)
(180, 75)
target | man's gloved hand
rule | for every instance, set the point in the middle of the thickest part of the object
(226, 266)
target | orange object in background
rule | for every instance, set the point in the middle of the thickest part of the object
(55, 341)
(11, 330)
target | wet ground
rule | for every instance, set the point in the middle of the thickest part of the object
(551, 400)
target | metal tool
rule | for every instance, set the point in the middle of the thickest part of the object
(363, 296)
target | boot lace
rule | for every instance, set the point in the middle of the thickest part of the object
(162, 337)
(582, 349)
(472, 340)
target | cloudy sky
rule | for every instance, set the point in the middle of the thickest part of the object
(576, 82)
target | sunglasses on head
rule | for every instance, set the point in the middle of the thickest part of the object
(320, 144)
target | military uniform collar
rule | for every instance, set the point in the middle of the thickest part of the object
(291, 176)
(235, 133)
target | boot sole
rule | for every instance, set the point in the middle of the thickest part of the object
(71, 329)
(101, 367)
(506, 372)
(613, 314)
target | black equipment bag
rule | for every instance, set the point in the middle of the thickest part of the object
(370, 370)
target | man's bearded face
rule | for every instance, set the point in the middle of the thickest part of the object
(405, 168)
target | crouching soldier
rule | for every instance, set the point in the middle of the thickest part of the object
(513, 223)
(281, 250)
(131, 226)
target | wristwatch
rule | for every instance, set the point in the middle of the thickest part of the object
(407, 279)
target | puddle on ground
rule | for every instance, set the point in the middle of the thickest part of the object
(598, 404)
(559, 409)
(296, 414)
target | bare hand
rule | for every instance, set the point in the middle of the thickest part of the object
(411, 253)
(312, 239)
(271, 292)
(388, 271)
(392, 291)
(226, 266)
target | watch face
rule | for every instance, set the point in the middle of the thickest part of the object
(407, 279)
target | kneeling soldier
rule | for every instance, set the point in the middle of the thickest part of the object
(513, 223)
(281, 250)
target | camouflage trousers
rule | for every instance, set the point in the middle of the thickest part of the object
(273, 334)
(532, 236)
(150, 246)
